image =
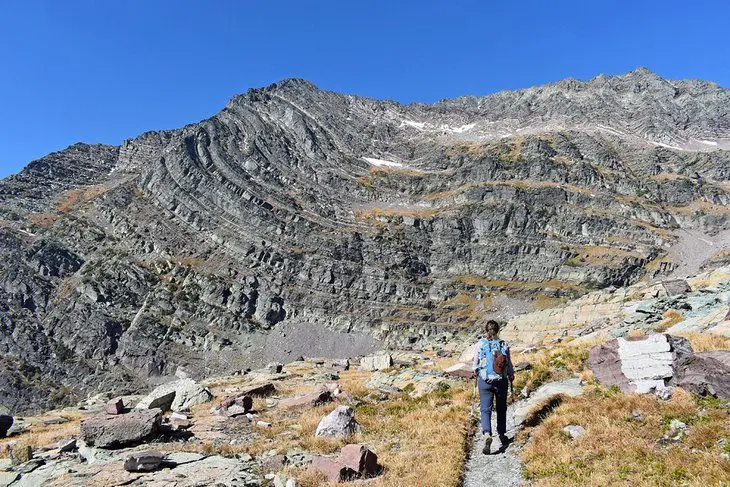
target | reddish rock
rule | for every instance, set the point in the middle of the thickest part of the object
(333, 470)
(114, 406)
(273, 463)
(263, 390)
(460, 371)
(244, 402)
(314, 399)
(707, 374)
(605, 363)
(360, 459)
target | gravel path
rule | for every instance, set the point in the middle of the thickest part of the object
(503, 467)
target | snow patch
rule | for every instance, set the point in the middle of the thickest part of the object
(382, 162)
(708, 142)
(667, 146)
(417, 125)
(463, 128)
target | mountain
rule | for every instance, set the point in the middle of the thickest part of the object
(296, 213)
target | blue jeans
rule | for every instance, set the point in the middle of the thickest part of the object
(489, 392)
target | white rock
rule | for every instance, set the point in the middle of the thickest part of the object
(376, 362)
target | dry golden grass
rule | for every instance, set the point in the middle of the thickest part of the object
(552, 364)
(430, 431)
(40, 435)
(671, 318)
(617, 449)
(706, 342)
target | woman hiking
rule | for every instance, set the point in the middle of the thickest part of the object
(492, 366)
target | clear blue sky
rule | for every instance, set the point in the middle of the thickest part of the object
(103, 71)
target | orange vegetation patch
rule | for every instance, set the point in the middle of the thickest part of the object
(75, 197)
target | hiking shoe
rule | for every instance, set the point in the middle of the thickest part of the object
(503, 440)
(487, 445)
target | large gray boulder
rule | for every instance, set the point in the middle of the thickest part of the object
(339, 423)
(177, 395)
(111, 431)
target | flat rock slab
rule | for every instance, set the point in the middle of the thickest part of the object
(110, 431)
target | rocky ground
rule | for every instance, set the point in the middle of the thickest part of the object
(322, 421)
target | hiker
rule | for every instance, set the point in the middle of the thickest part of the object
(492, 366)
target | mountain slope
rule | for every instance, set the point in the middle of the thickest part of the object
(299, 206)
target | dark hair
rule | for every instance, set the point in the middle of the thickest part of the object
(491, 329)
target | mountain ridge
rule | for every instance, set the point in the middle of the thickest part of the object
(295, 206)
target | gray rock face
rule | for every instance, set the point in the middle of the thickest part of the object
(110, 431)
(295, 206)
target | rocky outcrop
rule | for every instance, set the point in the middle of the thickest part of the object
(111, 431)
(295, 206)
(652, 363)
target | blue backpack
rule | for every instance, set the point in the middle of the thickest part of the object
(492, 359)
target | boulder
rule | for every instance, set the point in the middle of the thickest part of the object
(109, 431)
(114, 406)
(360, 459)
(354, 462)
(274, 367)
(676, 287)
(643, 364)
(262, 390)
(707, 374)
(376, 362)
(313, 399)
(67, 445)
(341, 364)
(460, 371)
(177, 395)
(6, 422)
(333, 470)
(339, 423)
(574, 431)
(145, 461)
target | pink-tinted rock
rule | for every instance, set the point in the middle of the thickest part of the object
(263, 390)
(114, 406)
(314, 399)
(708, 374)
(333, 470)
(360, 459)
(605, 363)
(460, 371)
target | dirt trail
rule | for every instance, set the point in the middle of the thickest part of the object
(503, 467)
